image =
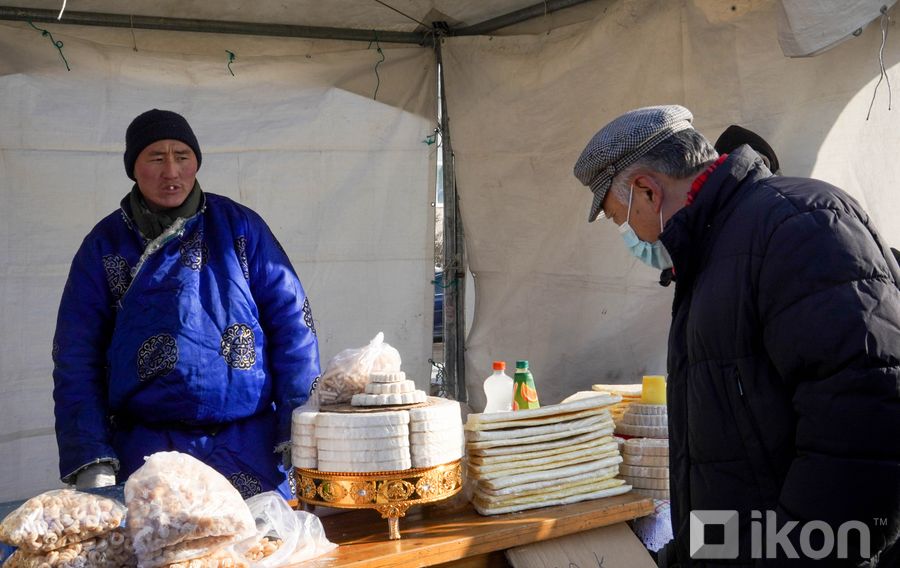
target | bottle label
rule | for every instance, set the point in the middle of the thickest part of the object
(524, 392)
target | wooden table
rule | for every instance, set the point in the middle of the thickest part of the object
(453, 532)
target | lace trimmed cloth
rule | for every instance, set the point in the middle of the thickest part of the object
(655, 530)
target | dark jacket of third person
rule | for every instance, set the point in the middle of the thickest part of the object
(783, 360)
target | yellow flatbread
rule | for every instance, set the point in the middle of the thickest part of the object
(549, 484)
(488, 510)
(525, 431)
(562, 491)
(599, 401)
(630, 391)
(502, 450)
(539, 421)
(605, 427)
(492, 472)
(556, 473)
(605, 441)
(560, 485)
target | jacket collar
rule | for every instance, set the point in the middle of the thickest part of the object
(688, 233)
(130, 216)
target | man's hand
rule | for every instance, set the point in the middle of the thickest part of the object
(284, 450)
(97, 475)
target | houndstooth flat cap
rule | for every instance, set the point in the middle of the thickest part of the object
(621, 142)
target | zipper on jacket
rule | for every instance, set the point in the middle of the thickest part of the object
(758, 434)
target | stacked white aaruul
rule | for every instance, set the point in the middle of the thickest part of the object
(390, 440)
(646, 454)
(386, 389)
(646, 466)
(362, 442)
(347, 442)
(303, 439)
(644, 421)
(436, 433)
(551, 455)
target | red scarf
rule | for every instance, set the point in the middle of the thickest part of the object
(701, 179)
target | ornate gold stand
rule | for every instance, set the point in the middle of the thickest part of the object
(391, 493)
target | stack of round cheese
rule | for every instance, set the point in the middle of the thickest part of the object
(377, 441)
(629, 394)
(389, 440)
(644, 421)
(385, 389)
(436, 433)
(552, 455)
(646, 466)
(303, 439)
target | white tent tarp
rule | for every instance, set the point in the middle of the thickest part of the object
(344, 181)
(809, 28)
(563, 293)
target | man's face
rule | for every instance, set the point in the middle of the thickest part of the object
(613, 209)
(165, 172)
(644, 218)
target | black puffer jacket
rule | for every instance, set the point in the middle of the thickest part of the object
(783, 361)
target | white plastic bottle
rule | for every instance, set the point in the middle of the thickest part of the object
(498, 389)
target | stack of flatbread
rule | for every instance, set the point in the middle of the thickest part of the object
(629, 394)
(552, 455)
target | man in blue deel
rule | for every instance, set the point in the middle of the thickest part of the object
(182, 326)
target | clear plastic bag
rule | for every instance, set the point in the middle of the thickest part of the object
(348, 372)
(59, 518)
(226, 558)
(301, 534)
(109, 550)
(180, 508)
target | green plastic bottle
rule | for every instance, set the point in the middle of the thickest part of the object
(524, 393)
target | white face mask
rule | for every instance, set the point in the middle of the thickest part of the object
(653, 254)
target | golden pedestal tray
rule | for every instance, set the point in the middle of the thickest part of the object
(391, 493)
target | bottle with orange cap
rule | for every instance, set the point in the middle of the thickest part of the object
(498, 389)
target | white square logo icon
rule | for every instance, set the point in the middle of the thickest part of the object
(700, 549)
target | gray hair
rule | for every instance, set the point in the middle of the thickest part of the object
(682, 155)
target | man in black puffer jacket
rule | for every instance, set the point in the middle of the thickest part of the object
(784, 350)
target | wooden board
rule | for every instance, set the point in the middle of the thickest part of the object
(604, 547)
(452, 531)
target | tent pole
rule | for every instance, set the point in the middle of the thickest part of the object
(454, 257)
(277, 30)
(209, 26)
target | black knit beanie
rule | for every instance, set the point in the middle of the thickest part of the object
(155, 125)
(735, 135)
